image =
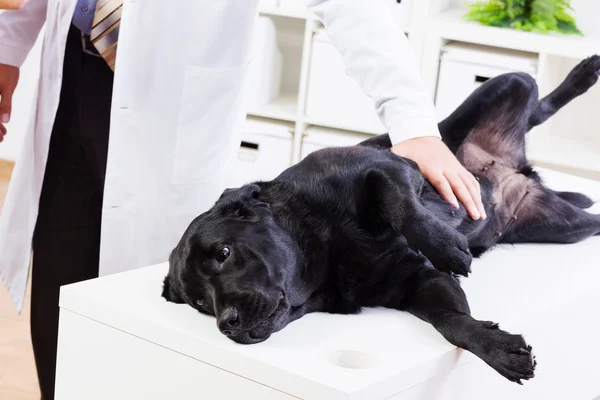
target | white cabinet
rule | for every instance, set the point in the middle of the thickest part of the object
(265, 151)
(264, 78)
(319, 138)
(142, 369)
(464, 67)
(333, 94)
(316, 89)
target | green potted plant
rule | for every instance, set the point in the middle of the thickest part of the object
(526, 15)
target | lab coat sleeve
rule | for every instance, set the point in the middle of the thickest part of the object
(19, 30)
(377, 54)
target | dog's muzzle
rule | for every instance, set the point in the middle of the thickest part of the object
(230, 323)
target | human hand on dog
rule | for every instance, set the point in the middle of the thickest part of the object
(440, 167)
(9, 77)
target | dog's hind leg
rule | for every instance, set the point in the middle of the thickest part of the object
(437, 298)
(497, 112)
(580, 79)
(509, 101)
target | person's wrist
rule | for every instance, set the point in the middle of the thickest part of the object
(407, 129)
(403, 148)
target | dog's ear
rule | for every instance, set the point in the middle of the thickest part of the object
(171, 290)
(243, 202)
(170, 293)
(250, 191)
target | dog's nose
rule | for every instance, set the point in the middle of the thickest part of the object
(229, 320)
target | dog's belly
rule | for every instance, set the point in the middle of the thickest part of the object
(513, 194)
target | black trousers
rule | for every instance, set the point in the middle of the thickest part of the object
(66, 240)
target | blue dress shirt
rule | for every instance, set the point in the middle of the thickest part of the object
(83, 17)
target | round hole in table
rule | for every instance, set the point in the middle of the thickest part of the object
(353, 359)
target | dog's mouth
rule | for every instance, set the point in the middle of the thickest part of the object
(263, 330)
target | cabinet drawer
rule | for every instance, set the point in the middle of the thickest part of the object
(98, 362)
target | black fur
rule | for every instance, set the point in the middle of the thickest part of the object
(358, 227)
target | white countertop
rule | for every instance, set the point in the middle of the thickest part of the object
(510, 285)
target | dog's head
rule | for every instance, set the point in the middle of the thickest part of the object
(232, 262)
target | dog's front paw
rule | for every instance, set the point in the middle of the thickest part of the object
(452, 255)
(447, 249)
(585, 75)
(508, 354)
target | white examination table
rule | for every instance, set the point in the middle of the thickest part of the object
(120, 340)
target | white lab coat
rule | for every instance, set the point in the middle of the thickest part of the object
(177, 113)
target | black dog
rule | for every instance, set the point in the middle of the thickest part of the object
(357, 227)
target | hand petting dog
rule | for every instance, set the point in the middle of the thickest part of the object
(443, 170)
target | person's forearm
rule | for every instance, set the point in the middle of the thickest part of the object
(377, 53)
(19, 30)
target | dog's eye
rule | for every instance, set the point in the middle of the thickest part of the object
(223, 254)
(200, 302)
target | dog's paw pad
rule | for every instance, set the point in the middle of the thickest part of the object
(585, 74)
(510, 355)
(593, 65)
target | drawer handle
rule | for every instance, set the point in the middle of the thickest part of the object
(248, 145)
(481, 79)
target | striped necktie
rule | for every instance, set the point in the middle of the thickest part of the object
(105, 29)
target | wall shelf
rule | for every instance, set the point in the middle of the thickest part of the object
(451, 25)
(339, 125)
(284, 108)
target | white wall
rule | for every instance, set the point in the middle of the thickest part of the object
(23, 100)
(586, 12)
